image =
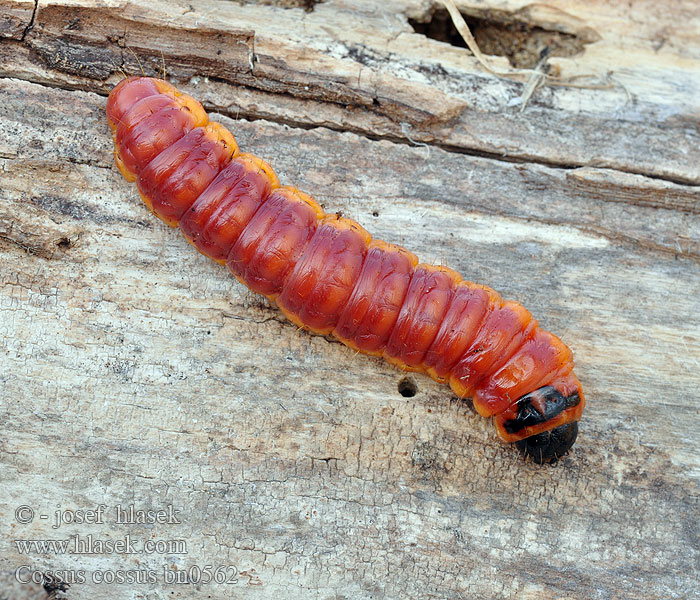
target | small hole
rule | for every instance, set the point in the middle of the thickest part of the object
(64, 243)
(522, 43)
(408, 387)
(375, 213)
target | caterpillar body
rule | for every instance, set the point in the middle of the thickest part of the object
(328, 275)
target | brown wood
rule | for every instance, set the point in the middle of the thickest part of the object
(135, 371)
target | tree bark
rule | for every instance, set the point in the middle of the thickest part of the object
(138, 373)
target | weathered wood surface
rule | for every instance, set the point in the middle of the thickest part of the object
(135, 371)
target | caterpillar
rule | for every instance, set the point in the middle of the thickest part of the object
(328, 275)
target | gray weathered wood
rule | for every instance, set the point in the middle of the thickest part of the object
(135, 371)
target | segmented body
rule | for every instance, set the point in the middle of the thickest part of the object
(328, 275)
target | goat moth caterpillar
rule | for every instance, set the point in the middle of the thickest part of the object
(328, 275)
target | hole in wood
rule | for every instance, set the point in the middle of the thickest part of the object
(522, 43)
(408, 387)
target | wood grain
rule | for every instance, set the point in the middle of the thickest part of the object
(135, 371)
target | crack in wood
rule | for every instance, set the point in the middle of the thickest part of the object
(62, 41)
(28, 28)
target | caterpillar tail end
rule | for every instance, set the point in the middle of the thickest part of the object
(551, 445)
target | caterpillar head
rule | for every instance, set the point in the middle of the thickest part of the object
(544, 423)
(549, 445)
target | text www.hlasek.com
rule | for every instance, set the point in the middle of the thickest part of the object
(86, 544)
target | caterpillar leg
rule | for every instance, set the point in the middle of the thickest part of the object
(549, 445)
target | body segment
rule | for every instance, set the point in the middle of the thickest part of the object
(328, 275)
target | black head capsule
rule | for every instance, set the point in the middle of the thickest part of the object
(549, 445)
(540, 406)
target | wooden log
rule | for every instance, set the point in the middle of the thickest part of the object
(137, 372)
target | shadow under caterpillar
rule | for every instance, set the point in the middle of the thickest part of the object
(328, 275)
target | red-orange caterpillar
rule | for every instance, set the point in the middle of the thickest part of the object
(328, 275)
